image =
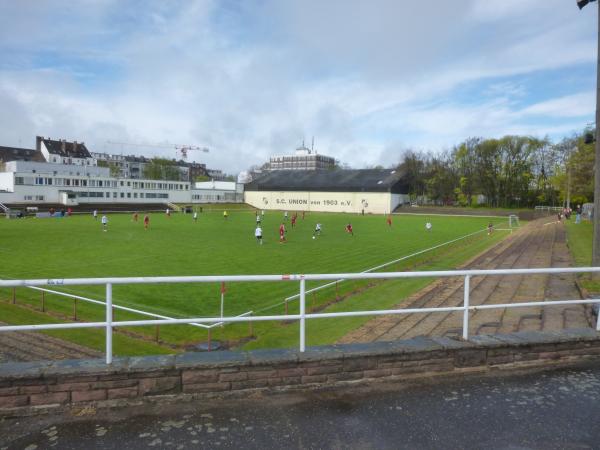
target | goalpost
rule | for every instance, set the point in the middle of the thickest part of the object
(513, 221)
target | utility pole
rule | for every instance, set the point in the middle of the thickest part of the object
(596, 238)
(596, 242)
(568, 164)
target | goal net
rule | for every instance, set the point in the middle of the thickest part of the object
(513, 221)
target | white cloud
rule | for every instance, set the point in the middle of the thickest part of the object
(253, 79)
(576, 105)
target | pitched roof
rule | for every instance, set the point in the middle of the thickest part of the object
(67, 149)
(366, 180)
(20, 154)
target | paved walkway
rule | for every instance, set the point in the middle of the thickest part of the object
(551, 410)
(535, 245)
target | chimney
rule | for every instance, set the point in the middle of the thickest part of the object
(38, 143)
(74, 147)
(63, 145)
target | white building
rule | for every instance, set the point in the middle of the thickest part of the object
(353, 191)
(68, 184)
(218, 192)
(303, 159)
(61, 172)
(63, 152)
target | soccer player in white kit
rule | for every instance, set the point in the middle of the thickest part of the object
(95, 214)
(104, 223)
(317, 230)
(258, 234)
(195, 216)
(428, 226)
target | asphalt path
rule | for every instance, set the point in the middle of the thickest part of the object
(558, 409)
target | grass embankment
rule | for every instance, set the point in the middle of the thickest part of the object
(76, 247)
(580, 243)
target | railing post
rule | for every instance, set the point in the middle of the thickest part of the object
(302, 314)
(43, 301)
(109, 316)
(286, 307)
(598, 317)
(14, 299)
(466, 308)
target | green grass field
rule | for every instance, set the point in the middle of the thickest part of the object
(580, 243)
(77, 247)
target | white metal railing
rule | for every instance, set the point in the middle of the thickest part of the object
(125, 308)
(302, 316)
(549, 208)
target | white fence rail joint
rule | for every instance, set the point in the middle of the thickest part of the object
(302, 316)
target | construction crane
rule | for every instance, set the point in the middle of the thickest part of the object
(182, 149)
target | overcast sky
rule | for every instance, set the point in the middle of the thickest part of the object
(249, 79)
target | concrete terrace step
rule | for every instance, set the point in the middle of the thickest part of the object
(535, 245)
(32, 346)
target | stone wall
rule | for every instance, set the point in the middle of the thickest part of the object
(27, 388)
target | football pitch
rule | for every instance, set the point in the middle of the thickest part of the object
(76, 246)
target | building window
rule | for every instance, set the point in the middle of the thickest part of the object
(129, 195)
(122, 195)
(114, 195)
(19, 180)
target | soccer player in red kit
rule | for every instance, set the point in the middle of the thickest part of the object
(349, 229)
(294, 217)
(135, 217)
(389, 221)
(281, 233)
(146, 221)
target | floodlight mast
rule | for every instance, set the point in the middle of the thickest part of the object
(596, 239)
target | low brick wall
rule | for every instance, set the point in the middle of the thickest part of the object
(29, 387)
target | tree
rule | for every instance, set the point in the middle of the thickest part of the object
(441, 179)
(412, 166)
(464, 162)
(161, 169)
